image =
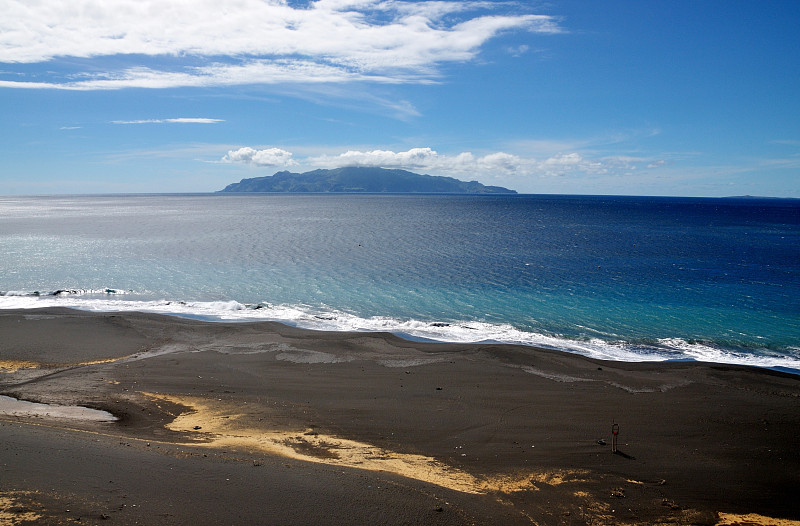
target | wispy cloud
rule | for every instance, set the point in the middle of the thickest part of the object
(180, 120)
(519, 50)
(223, 42)
(787, 142)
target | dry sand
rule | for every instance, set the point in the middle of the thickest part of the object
(261, 423)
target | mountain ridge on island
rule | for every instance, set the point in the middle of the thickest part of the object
(361, 179)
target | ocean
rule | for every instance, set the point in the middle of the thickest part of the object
(618, 278)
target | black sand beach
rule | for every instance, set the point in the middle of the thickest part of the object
(261, 423)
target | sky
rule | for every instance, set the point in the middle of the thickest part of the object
(640, 97)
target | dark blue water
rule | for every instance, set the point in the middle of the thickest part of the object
(625, 278)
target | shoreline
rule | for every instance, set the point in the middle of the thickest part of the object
(640, 349)
(243, 412)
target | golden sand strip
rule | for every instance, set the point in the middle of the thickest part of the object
(216, 426)
(104, 360)
(751, 519)
(12, 366)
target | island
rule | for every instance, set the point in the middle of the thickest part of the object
(361, 179)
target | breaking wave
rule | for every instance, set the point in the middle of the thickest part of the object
(320, 318)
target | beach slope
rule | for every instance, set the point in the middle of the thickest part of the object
(243, 423)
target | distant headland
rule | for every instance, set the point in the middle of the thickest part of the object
(361, 179)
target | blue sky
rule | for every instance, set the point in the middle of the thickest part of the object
(640, 97)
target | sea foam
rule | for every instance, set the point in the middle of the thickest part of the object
(466, 332)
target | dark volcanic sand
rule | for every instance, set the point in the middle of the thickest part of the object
(301, 427)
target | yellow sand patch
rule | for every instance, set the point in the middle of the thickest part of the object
(555, 478)
(97, 362)
(216, 426)
(12, 366)
(751, 519)
(12, 512)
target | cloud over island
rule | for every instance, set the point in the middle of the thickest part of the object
(465, 163)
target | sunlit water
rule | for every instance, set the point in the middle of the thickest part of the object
(622, 278)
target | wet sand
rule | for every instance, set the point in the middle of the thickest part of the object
(261, 423)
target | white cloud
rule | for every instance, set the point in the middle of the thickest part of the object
(413, 158)
(216, 74)
(181, 120)
(267, 157)
(492, 164)
(228, 42)
(514, 171)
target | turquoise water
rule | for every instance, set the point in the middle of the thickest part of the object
(623, 278)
